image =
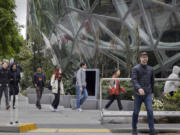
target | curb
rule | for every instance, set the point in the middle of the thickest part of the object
(20, 128)
(145, 130)
(81, 130)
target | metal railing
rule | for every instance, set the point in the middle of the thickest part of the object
(125, 79)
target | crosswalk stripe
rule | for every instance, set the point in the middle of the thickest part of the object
(73, 130)
(44, 130)
(84, 130)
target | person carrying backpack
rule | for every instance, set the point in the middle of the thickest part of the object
(81, 86)
(39, 81)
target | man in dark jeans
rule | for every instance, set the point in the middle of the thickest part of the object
(39, 81)
(4, 82)
(143, 82)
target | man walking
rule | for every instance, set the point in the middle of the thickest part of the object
(81, 86)
(143, 82)
(39, 81)
(4, 82)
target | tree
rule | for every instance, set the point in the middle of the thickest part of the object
(11, 41)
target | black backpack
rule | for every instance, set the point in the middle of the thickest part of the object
(49, 85)
(74, 78)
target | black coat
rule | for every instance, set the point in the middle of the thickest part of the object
(14, 81)
(143, 77)
(4, 76)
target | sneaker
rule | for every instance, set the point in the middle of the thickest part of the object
(11, 123)
(14, 107)
(39, 107)
(134, 132)
(16, 122)
(104, 109)
(7, 107)
(52, 108)
(79, 109)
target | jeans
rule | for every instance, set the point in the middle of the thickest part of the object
(112, 98)
(79, 100)
(5, 90)
(147, 99)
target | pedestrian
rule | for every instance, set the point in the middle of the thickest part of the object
(4, 83)
(143, 81)
(57, 88)
(39, 81)
(14, 76)
(81, 86)
(114, 90)
(172, 86)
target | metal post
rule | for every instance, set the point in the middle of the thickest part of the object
(14, 111)
(34, 58)
(100, 101)
(32, 44)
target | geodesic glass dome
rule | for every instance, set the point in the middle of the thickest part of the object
(105, 32)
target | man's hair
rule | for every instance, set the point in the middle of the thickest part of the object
(82, 64)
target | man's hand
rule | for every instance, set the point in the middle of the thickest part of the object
(152, 95)
(81, 89)
(141, 91)
(0, 84)
(35, 85)
(7, 84)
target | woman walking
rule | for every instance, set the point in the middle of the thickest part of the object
(14, 77)
(114, 89)
(57, 88)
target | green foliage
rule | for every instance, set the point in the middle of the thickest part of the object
(158, 89)
(11, 41)
(172, 103)
(158, 105)
(25, 58)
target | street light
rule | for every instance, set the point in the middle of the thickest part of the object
(32, 44)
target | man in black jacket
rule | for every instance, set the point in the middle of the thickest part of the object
(143, 82)
(39, 81)
(4, 82)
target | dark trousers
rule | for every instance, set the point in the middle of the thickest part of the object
(55, 102)
(39, 91)
(112, 98)
(5, 90)
(14, 99)
(13, 91)
(147, 99)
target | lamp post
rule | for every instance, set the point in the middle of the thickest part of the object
(34, 56)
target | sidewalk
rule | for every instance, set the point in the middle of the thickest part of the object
(68, 120)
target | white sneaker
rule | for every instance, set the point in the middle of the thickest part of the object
(104, 109)
(79, 109)
(57, 110)
(52, 108)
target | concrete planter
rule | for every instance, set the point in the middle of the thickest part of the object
(69, 101)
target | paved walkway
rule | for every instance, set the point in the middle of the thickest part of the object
(68, 121)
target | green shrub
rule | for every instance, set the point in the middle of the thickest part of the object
(172, 103)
